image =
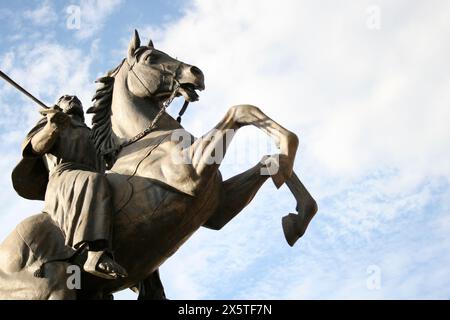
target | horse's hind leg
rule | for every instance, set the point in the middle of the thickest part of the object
(237, 193)
(151, 288)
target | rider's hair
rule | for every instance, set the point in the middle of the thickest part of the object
(77, 111)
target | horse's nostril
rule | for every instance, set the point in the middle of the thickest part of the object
(196, 71)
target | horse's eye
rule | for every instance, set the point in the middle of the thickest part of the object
(150, 59)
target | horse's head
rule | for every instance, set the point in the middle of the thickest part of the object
(132, 95)
(153, 73)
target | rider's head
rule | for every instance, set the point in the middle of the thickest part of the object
(71, 105)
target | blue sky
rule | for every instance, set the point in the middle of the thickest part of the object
(366, 87)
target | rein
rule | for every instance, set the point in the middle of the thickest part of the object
(175, 85)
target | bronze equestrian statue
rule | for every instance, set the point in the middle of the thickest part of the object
(161, 185)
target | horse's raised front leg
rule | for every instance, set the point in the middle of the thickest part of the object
(238, 191)
(207, 152)
(294, 225)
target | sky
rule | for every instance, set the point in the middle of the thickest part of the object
(364, 84)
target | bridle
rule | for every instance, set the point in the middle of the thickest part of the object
(174, 86)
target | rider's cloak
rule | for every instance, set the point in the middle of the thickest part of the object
(70, 179)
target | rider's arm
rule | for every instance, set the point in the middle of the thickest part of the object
(44, 140)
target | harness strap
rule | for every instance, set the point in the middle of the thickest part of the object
(175, 86)
(182, 110)
(145, 132)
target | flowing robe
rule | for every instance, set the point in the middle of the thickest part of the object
(70, 178)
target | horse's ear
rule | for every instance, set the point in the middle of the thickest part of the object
(150, 44)
(134, 44)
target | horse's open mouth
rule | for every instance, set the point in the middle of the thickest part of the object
(188, 91)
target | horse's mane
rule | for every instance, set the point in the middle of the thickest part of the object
(101, 133)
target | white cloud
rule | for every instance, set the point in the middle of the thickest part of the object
(94, 14)
(359, 99)
(48, 70)
(43, 15)
(371, 110)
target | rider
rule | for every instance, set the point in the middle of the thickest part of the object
(61, 166)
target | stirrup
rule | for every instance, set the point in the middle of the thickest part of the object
(92, 261)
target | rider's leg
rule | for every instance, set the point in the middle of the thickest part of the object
(100, 259)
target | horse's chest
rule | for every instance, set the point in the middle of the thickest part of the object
(162, 163)
(167, 165)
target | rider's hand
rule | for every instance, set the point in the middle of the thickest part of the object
(58, 120)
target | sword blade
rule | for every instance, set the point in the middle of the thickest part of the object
(21, 89)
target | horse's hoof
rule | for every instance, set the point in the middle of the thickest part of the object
(291, 228)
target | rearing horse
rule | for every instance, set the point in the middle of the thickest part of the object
(166, 183)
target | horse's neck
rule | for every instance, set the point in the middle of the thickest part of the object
(132, 115)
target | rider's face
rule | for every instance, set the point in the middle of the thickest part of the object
(71, 105)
